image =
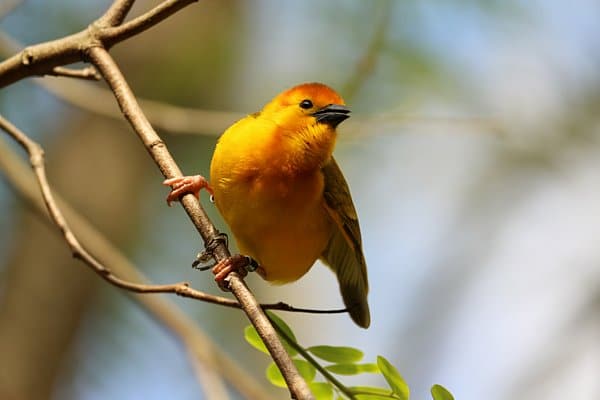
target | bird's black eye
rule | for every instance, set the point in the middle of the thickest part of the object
(306, 104)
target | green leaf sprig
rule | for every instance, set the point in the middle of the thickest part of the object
(341, 360)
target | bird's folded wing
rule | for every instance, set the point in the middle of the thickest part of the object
(344, 251)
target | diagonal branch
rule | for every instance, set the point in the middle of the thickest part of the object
(161, 156)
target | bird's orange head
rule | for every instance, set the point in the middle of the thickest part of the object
(306, 116)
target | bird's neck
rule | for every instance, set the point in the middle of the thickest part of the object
(308, 150)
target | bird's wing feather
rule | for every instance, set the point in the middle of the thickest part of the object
(344, 253)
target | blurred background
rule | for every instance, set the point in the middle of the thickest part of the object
(472, 156)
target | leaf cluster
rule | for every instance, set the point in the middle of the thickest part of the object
(333, 361)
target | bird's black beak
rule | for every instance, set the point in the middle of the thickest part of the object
(332, 114)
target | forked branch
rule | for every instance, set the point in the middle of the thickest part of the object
(106, 31)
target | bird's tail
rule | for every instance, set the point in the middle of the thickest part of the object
(351, 270)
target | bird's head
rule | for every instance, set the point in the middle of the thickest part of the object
(306, 116)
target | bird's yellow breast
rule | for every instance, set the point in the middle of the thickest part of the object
(275, 211)
(280, 224)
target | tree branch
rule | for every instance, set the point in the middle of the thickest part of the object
(42, 58)
(116, 13)
(36, 156)
(36, 159)
(110, 36)
(310, 359)
(198, 345)
(158, 151)
(88, 73)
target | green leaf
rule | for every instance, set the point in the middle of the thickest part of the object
(372, 393)
(255, 341)
(282, 325)
(375, 397)
(438, 392)
(353, 369)
(337, 354)
(393, 378)
(306, 370)
(370, 390)
(321, 390)
(274, 376)
(252, 337)
(288, 331)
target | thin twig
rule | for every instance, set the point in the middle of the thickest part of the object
(36, 157)
(198, 345)
(311, 360)
(161, 156)
(163, 116)
(116, 13)
(87, 73)
(139, 24)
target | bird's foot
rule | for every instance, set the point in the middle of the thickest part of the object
(204, 257)
(183, 185)
(236, 263)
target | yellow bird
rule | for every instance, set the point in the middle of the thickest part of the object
(278, 187)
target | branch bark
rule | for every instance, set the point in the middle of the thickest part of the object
(41, 59)
(161, 156)
(118, 33)
(116, 13)
(88, 73)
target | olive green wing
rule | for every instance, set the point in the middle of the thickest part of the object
(343, 253)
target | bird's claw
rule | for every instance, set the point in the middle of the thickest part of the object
(202, 261)
(183, 185)
(208, 253)
(236, 263)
